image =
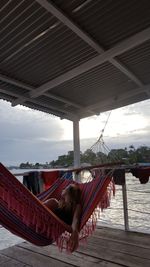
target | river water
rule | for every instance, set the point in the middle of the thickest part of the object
(138, 196)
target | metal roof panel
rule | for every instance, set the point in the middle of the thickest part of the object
(39, 49)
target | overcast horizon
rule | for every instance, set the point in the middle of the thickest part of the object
(29, 135)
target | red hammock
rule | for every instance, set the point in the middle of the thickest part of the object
(25, 215)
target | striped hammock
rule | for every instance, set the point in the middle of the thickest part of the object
(26, 216)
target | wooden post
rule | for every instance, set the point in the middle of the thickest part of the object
(76, 143)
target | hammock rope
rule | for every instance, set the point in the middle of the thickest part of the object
(100, 148)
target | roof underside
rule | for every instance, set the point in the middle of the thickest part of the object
(74, 58)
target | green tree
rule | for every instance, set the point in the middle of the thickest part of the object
(37, 165)
(101, 158)
(132, 155)
(89, 156)
(118, 154)
(143, 154)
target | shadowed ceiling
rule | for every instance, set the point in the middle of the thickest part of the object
(74, 58)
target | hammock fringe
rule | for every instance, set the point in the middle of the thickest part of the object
(90, 225)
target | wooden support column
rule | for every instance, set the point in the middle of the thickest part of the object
(76, 143)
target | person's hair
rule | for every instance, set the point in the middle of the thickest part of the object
(74, 193)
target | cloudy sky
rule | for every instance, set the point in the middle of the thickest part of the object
(27, 135)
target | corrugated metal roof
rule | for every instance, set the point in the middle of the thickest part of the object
(108, 21)
(49, 54)
(90, 86)
(12, 89)
(138, 60)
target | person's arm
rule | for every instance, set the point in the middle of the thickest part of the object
(51, 203)
(74, 238)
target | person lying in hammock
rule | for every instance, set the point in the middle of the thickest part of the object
(68, 209)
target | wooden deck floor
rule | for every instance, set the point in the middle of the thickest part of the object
(106, 248)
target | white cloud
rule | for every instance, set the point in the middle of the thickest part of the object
(28, 135)
(26, 124)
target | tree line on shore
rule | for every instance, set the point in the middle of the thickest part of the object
(128, 155)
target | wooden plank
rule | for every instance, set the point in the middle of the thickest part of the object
(7, 261)
(30, 258)
(107, 247)
(120, 235)
(76, 258)
(121, 246)
(13, 263)
(97, 250)
(3, 259)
